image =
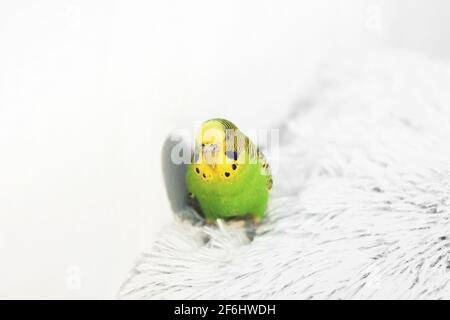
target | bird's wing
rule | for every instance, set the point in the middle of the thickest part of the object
(265, 168)
(256, 154)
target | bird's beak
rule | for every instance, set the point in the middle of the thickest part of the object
(211, 154)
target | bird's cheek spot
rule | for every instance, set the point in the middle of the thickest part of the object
(206, 176)
(232, 155)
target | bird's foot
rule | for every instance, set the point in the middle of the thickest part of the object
(256, 220)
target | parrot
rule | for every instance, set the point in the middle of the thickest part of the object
(228, 176)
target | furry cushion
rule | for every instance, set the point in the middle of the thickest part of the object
(360, 207)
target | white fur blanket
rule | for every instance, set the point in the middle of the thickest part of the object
(361, 203)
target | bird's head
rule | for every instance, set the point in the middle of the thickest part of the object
(210, 143)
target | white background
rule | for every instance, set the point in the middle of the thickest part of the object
(90, 89)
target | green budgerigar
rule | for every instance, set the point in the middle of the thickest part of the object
(228, 175)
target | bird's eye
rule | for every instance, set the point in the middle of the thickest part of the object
(232, 155)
